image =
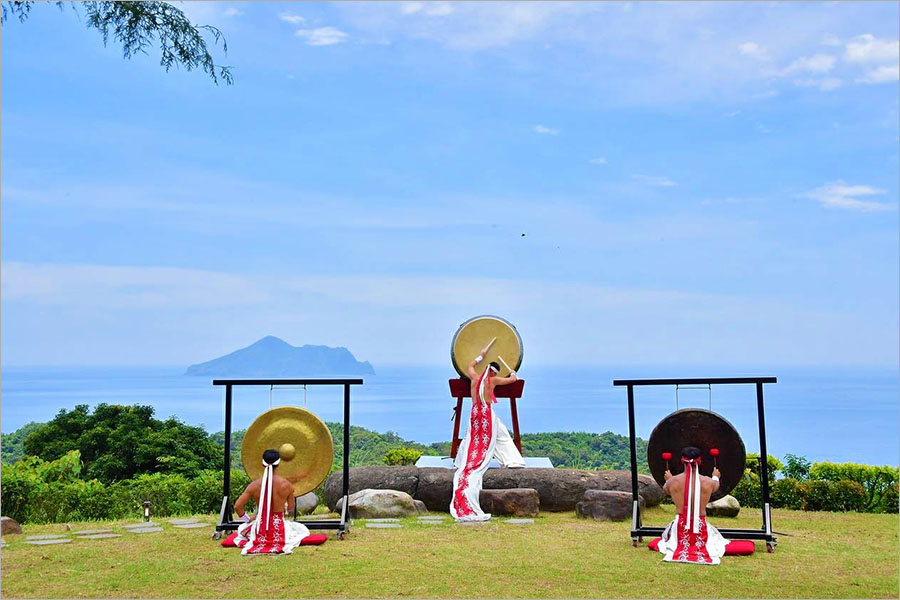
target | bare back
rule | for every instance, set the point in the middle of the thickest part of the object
(282, 493)
(675, 488)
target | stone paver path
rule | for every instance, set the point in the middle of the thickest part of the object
(519, 521)
(48, 542)
(383, 525)
(92, 531)
(182, 521)
(46, 537)
(385, 520)
(140, 525)
(190, 525)
(144, 529)
(101, 536)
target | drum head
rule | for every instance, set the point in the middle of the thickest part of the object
(703, 429)
(473, 335)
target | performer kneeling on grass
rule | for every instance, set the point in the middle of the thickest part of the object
(486, 437)
(269, 533)
(689, 538)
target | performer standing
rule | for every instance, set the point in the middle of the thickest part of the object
(486, 437)
(270, 532)
(689, 538)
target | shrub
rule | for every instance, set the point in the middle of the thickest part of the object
(875, 481)
(890, 500)
(402, 456)
(748, 491)
(786, 493)
(796, 467)
(839, 496)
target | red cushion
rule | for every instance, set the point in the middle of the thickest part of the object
(733, 548)
(740, 548)
(314, 539)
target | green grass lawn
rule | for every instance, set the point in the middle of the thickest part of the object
(828, 555)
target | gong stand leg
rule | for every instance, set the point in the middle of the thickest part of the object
(457, 416)
(764, 461)
(517, 439)
(636, 514)
(346, 486)
(226, 509)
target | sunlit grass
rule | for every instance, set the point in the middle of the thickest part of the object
(828, 555)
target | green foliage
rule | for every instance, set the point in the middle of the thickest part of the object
(402, 456)
(838, 496)
(890, 500)
(874, 480)
(796, 467)
(584, 450)
(12, 444)
(138, 26)
(787, 493)
(119, 442)
(774, 465)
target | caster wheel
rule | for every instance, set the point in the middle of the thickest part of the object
(770, 548)
(640, 539)
(217, 535)
(634, 543)
(341, 535)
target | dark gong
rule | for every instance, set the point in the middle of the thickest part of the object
(703, 429)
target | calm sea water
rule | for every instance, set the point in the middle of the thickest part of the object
(823, 414)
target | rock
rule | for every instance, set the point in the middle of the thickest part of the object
(726, 506)
(9, 526)
(401, 479)
(373, 504)
(607, 505)
(558, 489)
(515, 502)
(307, 503)
(420, 506)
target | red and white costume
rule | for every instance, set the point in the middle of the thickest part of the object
(689, 538)
(486, 437)
(270, 532)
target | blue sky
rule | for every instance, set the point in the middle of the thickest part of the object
(697, 183)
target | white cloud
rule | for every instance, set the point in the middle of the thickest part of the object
(819, 63)
(753, 50)
(292, 18)
(882, 74)
(838, 194)
(732, 113)
(762, 128)
(826, 84)
(598, 161)
(232, 12)
(654, 180)
(543, 130)
(322, 36)
(867, 49)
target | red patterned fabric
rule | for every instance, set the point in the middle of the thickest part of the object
(481, 438)
(733, 548)
(269, 537)
(691, 546)
(315, 539)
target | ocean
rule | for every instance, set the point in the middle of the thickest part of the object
(834, 414)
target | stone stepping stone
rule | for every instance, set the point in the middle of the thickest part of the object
(141, 525)
(54, 536)
(183, 521)
(144, 529)
(101, 536)
(383, 525)
(519, 521)
(383, 520)
(191, 525)
(92, 531)
(432, 522)
(433, 518)
(47, 542)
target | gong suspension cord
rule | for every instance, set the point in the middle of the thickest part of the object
(707, 387)
(289, 387)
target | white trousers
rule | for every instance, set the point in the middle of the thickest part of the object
(505, 450)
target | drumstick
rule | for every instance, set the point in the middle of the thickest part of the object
(504, 363)
(488, 347)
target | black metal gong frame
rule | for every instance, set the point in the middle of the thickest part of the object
(342, 524)
(638, 529)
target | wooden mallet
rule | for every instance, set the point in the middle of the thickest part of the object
(667, 456)
(714, 452)
(508, 368)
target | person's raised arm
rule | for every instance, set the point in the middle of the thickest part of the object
(513, 377)
(471, 368)
(291, 501)
(667, 476)
(715, 479)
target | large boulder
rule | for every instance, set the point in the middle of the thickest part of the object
(515, 502)
(9, 526)
(401, 478)
(558, 489)
(607, 505)
(307, 503)
(726, 506)
(377, 504)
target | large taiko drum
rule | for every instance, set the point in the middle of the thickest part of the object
(704, 430)
(304, 441)
(473, 335)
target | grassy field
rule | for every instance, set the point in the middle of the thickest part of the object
(828, 555)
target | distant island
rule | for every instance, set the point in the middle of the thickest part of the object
(273, 357)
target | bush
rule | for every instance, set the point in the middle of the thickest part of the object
(890, 500)
(875, 481)
(786, 493)
(838, 496)
(748, 491)
(402, 456)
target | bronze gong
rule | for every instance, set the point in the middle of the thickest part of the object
(473, 335)
(703, 429)
(304, 441)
